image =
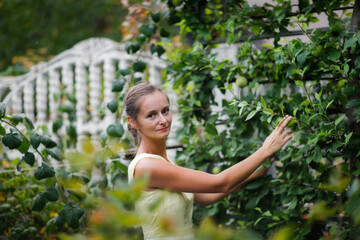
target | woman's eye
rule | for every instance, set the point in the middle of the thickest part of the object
(151, 115)
(166, 111)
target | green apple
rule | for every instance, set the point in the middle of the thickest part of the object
(216, 170)
(241, 81)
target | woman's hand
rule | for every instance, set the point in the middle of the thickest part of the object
(278, 137)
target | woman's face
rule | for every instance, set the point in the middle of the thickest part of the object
(154, 117)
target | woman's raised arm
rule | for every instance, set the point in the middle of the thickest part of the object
(165, 175)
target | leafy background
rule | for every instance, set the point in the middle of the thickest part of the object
(314, 192)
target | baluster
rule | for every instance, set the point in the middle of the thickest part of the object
(109, 77)
(123, 64)
(54, 85)
(95, 87)
(29, 100)
(41, 98)
(80, 95)
(17, 101)
(154, 74)
(68, 78)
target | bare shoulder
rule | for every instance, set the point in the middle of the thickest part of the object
(150, 166)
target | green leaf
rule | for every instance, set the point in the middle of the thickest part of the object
(16, 119)
(39, 203)
(65, 108)
(135, 47)
(350, 42)
(329, 104)
(12, 140)
(164, 33)
(173, 18)
(28, 123)
(115, 130)
(71, 131)
(353, 103)
(251, 115)
(152, 48)
(45, 171)
(84, 178)
(117, 86)
(334, 55)
(24, 147)
(2, 131)
(339, 119)
(35, 140)
(268, 111)
(51, 194)
(72, 214)
(148, 29)
(139, 66)
(29, 158)
(59, 220)
(263, 103)
(347, 139)
(125, 71)
(57, 125)
(357, 62)
(18, 165)
(242, 104)
(299, 83)
(160, 50)
(48, 142)
(156, 17)
(55, 153)
(211, 129)
(301, 58)
(2, 110)
(112, 106)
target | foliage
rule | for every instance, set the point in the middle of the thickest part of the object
(315, 191)
(315, 81)
(32, 31)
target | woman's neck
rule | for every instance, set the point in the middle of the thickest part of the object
(153, 147)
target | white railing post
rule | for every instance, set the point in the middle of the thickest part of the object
(95, 88)
(29, 100)
(109, 77)
(68, 78)
(41, 98)
(154, 74)
(17, 101)
(80, 95)
(54, 85)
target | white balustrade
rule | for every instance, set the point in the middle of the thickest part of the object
(34, 93)
(41, 99)
(109, 77)
(154, 74)
(17, 101)
(54, 93)
(68, 78)
(80, 94)
(95, 88)
(29, 100)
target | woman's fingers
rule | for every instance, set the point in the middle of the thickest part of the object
(284, 122)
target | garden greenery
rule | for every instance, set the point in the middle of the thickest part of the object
(314, 192)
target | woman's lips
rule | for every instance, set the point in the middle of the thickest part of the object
(163, 129)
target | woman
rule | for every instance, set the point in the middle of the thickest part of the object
(172, 189)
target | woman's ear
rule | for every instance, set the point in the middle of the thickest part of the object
(132, 122)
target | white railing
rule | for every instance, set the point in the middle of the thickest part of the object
(86, 71)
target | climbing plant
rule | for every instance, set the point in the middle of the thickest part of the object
(227, 108)
(315, 79)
